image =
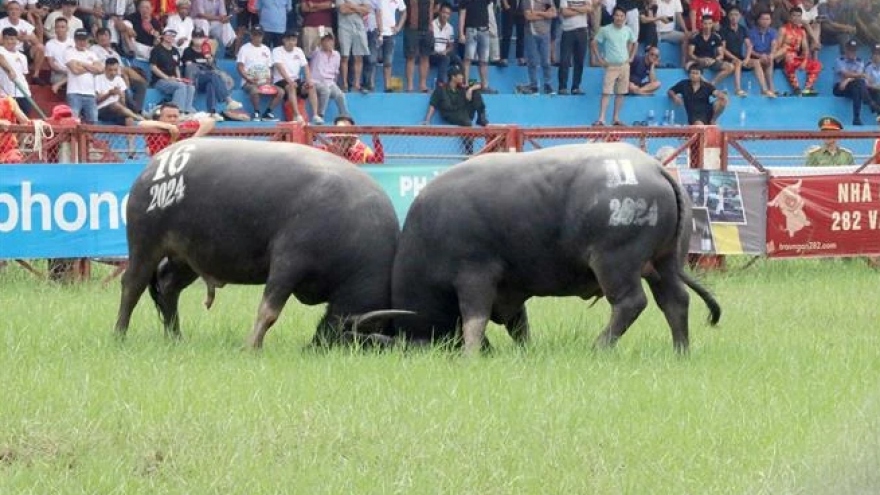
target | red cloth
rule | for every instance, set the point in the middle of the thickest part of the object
(361, 153)
(703, 7)
(8, 140)
(158, 142)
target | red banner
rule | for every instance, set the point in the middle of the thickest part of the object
(823, 215)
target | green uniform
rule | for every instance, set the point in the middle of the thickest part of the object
(823, 157)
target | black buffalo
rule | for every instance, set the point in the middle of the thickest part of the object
(299, 220)
(584, 220)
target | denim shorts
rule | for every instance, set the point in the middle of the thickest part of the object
(476, 46)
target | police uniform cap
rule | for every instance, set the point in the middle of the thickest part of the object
(852, 44)
(830, 124)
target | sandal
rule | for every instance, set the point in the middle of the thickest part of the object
(741, 93)
(618, 123)
(598, 123)
(769, 94)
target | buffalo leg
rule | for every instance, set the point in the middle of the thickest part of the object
(622, 286)
(518, 326)
(475, 304)
(673, 299)
(275, 295)
(172, 276)
(134, 282)
(326, 330)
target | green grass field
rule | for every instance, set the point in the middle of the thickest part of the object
(781, 398)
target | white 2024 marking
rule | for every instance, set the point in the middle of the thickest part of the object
(165, 193)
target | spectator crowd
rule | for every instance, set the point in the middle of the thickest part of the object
(294, 52)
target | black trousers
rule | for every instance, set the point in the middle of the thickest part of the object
(572, 48)
(857, 91)
(509, 21)
(465, 116)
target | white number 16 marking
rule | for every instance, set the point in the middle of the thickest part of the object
(620, 172)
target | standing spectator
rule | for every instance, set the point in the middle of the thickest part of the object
(199, 67)
(418, 41)
(794, 51)
(142, 30)
(618, 48)
(512, 20)
(494, 35)
(762, 37)
(169, 116)
(695, 94)
(110, 96)
(15, 67)
(289, 62)
(539, 14)
(631, 7)
(648, 23)
(738, 51)
(254, 65)
(82, 67)
(67, 11)
(444, 55)
(706, 50)
(55, 50)
(391, 19)
(352, 38)
(214, 19)
(27, 42)
(371, 22)
(872, 71)
(643, 72)
(851, 81)
(273, 20)
(165, 67)
(182, 23)
(473, 33)
(325, 71)
(317, 19)
(838, 25)
(575, 40)
(830, 153)
(137, 85)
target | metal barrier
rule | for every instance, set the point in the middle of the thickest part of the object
(768, 149)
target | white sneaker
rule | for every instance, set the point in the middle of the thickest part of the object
(217, 117)
(318, 120)
(233, 105)
(298, 119)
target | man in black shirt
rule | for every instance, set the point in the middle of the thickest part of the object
(473, 33)
(695, 93)
(738, 51)
(418, 40)
(706, 50)
(142, 30)
(457, 104)
(165, 67)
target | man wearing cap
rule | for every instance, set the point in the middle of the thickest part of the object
(68, 8)
(199, 67)
(28, 42)
(82, 67)
(851, 81)
(289, 61)
(458, 103)
(829, 154)
(165, 67)
(324, 65)
(254, 65)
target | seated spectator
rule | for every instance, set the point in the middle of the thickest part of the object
(670, 23)
(82, 67)
(851, 81)
(15, 68)
(134, 78)
(325, 71)
(10, 114)
(115, 15)
(872, 73)
(829, 154)
(182, 23)
(113, 108)
(458, 103)
(812, 24)
(212, 17)
(648, 18)
(867, 20)
(199, 67)
(55, 49)
(142, 31)
(66, 12)
(696, 94)
(763, 39)
(738, 51)
(444, 55)
(838, 24)
(35, 12)
(697, 10)
(289, 62)
(642, 76)
(350, 147)
(91, 13)
(706, 50)
(168, 118)
(165, 67)
(254, 64)
(793, 50)
(27, 42)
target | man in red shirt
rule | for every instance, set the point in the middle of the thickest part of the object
(169, 115)
(794, 53)
(10, 114)
(350, 147)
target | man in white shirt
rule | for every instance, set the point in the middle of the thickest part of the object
(137, 85)
(68, 7)
(288, 61)
(82, 67)
(28, 43)
(14, 70)
(110, 96)
(55, 50)
(574, 43)
(444, 55)
(181, 22)
(390, 22)
(254, 64)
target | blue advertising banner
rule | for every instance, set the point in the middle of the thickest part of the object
(78, 210)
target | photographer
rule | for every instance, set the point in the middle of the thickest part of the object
(456, 102)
